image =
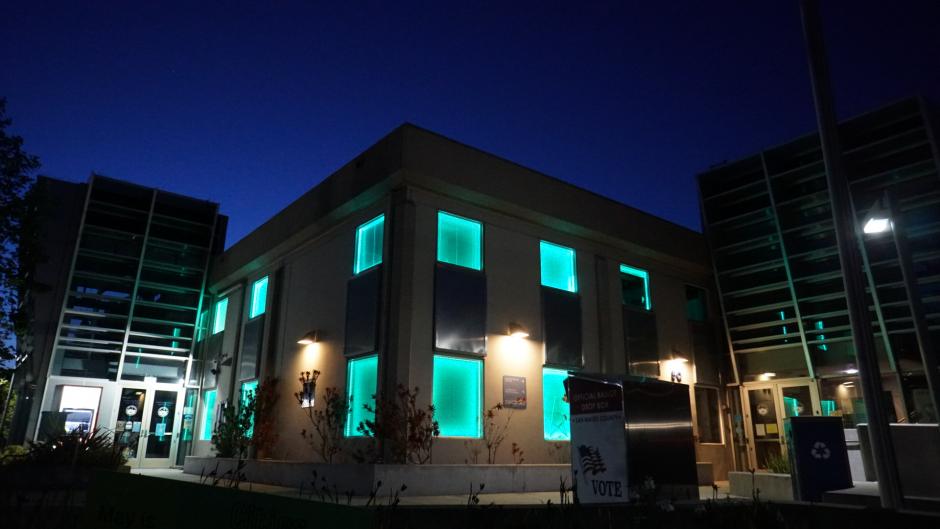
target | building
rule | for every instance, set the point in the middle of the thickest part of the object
(112, 332)
(769, 224)
(428, 263)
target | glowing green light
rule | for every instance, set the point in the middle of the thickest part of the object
(361, 379)
(369, 237)
(828, 407)
(249, 388)
(218, 320)
(259, 297)
(457, 395)
(459, 241)
(558, 267)
(201, 325)
(643, 292)
(556, 424)
(822, 337)
(208, 400)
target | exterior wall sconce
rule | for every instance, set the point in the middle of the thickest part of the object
(310, 338)
(675, 373)
(516, 330)
(767, 376)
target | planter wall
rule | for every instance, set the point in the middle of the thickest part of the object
(421, 480)
(773, 487)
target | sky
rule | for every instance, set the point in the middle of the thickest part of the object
(251, 104)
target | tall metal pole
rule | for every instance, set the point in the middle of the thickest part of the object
(889, 485)
(922, 332)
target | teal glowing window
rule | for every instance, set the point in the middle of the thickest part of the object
(208, 415)
(558, 267)
(783, 328)
(218, 318)
(249, 388)
(259, 297)
(829, 407)
(201, 325)
(459, 241)
(635, 287)
(361, 378)
(556, 422)
(457, 396)
(821, 337)
(369, 238)
(696, 304)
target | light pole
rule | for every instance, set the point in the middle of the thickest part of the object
(889, 483)
(888, 218)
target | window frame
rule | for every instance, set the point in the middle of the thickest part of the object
(264, 280)
(573, 279)
(480, 240)
(644, 275)
(707, 299)
(481, 390)
(208, 414)
(350, 430)
(380, 218)
(548, 369)
(216, 312)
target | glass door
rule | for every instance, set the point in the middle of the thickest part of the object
(767, 405)
(145, 429)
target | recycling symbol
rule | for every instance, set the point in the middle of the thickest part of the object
(820, 450)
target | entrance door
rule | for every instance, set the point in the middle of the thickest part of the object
(766, 405)
(146, 425)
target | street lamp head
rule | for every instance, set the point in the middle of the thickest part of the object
(877, 225)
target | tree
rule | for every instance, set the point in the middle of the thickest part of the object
(16, 178)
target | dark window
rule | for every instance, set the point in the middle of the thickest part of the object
(641, 342)
(250, 358)
(708, 412)
(561, 321)
(362, 311)
(459, 309)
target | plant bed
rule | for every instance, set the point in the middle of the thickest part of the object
(363, 479)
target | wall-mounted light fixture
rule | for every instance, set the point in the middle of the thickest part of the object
(767, 376)
(851, 371)
(310, 338)
(675, 367)
(516, 330)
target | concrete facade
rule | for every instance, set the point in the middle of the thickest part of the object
(307, 252)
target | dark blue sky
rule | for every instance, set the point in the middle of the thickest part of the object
(252, 105)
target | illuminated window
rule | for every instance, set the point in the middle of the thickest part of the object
(556, 422)
(696, 304)
(361, 377)
(259, 297)
(249, 388)
(201, 325)
(369, 237)
(558, 267)
(459, 241)
(457, 395)
(635, 287)
(221, 310)
(208, 415)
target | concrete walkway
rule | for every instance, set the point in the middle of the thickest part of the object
(521, 498)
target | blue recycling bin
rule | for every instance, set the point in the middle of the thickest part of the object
(819, 459)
